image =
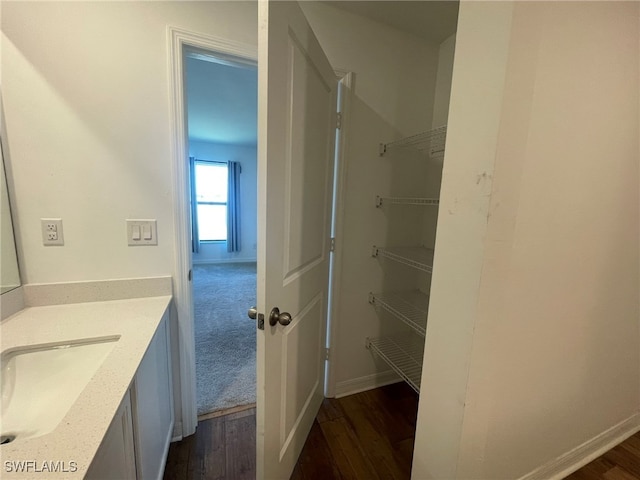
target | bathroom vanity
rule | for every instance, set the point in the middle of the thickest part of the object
(114, 417)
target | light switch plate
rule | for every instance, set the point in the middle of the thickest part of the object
(136, 230)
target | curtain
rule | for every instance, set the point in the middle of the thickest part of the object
(195, 237)
(233, 207)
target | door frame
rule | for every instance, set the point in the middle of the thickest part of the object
(347, 79)
(178, 39)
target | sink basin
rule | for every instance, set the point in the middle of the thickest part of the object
(40, 383)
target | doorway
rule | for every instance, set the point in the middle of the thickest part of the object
(221, 113)
(183, 41)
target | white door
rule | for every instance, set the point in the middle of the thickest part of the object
(296, 134)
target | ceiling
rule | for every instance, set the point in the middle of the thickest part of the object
(222, 99)
(431, 21)
(222, 102)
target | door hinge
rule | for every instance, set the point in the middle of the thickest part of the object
(326, 354)
(332, 244)
(338, 120)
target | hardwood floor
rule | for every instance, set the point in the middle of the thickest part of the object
(366, 436)
(619, 463)
(223, 447)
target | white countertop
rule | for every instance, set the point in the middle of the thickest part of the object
(78, 436)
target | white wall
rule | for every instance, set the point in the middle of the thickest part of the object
(533, 344)
(247, 156)
(395, 77)
(85, 87)
(443, 81)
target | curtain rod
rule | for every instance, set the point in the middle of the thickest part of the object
(210, 161)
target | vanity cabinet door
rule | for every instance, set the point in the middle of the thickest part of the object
(153, 406)
(115, 458)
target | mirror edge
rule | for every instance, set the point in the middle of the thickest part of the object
(8, 185)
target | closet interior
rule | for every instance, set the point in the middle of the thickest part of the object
(401, 54)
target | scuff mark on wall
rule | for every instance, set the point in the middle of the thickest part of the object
(455, 205)
(483, 177)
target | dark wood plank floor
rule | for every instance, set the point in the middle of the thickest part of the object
(619, 463)
(222, 448)
(366, 436)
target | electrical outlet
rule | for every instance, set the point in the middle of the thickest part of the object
(52, 231)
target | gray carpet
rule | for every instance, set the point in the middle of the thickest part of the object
(225, 336)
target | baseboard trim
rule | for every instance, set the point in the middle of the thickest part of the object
(572, 460)
(177, 432)
(368, 382)
(224, 260)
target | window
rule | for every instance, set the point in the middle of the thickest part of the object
(211, 181)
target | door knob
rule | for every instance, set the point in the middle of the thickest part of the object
(283, 318)
(253, 314)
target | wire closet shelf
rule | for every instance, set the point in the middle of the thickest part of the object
(403, 353)
(410, 307)
(382, 201)
(420, 258)
(431, 142)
